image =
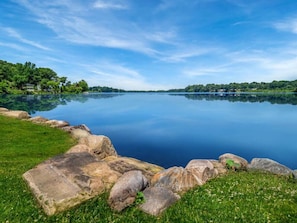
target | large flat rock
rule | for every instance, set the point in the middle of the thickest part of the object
(67, 180)
(53, 190)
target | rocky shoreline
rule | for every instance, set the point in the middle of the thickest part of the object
(93, 167)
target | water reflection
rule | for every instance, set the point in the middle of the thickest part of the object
(170, 129)
(289, 98)
(35, 103)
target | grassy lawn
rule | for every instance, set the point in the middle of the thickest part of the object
(236, 197)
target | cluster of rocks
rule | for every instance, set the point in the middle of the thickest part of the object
(93, 167)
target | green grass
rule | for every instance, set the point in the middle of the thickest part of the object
(236, 197)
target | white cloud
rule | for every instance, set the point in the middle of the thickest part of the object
(100, 4)
(13, 33)
(92, 28)
(98, 30)
(261, 65)
(13, 46)
(161, 36)
(108, 73)
(289, 25)
(181, 53)
(200, 71)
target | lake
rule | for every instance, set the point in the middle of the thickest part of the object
(170, 129)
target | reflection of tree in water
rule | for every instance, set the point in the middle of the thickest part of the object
(33, 103)
(244, 97)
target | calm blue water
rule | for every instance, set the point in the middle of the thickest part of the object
(172, 129)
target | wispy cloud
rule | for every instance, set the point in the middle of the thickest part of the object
(108, 73)
(200, 71)
(273, 64)
(288, 25)
(97, 30)
(92, 28)
(13, 46)
(13, 33)
(181, 54)
(100, 4)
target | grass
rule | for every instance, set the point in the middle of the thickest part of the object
(236, 197)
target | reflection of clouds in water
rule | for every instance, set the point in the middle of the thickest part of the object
(171, 129)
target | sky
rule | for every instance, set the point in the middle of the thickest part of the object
(153, 44)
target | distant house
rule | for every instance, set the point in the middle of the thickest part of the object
(31, 87)
(28, 87)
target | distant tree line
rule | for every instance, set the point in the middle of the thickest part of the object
(274, 86)
(105, 89)
(27, 78)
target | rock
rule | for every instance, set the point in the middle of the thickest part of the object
(125, 164)
(203, 169)
(102, 177)
(219, 168)
(71, 128)
(79, 148)
(38, 120)
(79, 133)
(241, 162)
(53, 191)
(295, 173)
(157, 199)
(16, 114)
(3, 109)
(265, 164)
(100, 145)
(177, 179)
(57, 123)
(124, 192)
(67, 180)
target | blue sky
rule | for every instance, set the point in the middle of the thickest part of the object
(153, 44)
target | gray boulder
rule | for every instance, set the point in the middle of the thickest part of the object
(15, 114)
(125, 190)
(3, 109)
(38, 119)
(81, 127)
(241, 163)
(295, 173)
(67, 180)
(177, 179)
(219, 168)
(57, 123)
(157, 199)
(79, 148)
(201, 168)
(269, 165)
(100, 145)
(79, 133)
(126, 164)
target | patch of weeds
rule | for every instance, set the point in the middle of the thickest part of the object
(232, 165)
(140, 199)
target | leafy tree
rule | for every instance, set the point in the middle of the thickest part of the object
(53, 86)
(4, 87)
(84, 85)
(16, 77)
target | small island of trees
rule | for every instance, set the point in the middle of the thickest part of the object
(27, 78)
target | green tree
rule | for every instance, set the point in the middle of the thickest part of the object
(53, 86)
(84, 85)
(4, 87)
